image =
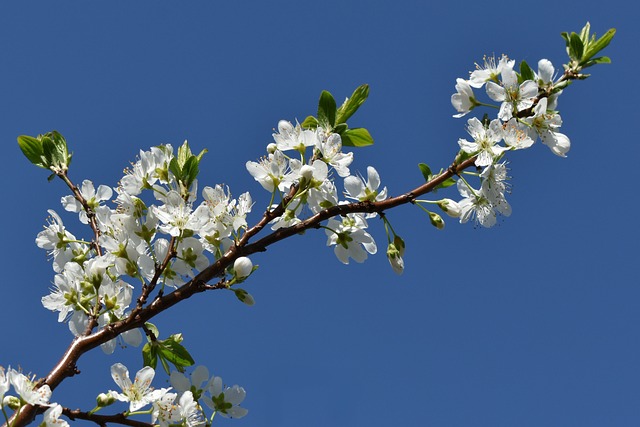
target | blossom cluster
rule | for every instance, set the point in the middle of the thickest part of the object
(174, 408)
(310, 170)
(526, 111)
(28, 392)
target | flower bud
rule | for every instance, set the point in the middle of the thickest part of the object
(436, 220)
(104, 399)
(244, 296)
(12, 402)
(306, 172)
(271, 148)
(242, 267)
(450, 207)
(395, 258)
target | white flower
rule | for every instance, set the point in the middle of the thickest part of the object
(26, 388)
(294, 138)
(357, 189)
(139, 393)
(331, 150)
(176, 215)
(4, 383)
(322, 197)
(450, 207)
(226, 401)
(475, 205)
(350, 238)
(165, 410)
(515, 135)
(485, 140)
(190, 410)
(90, 195)
(512, 95)
(463, 100)
(270, 172)
(489, 71)
(51, 417)
(546, 124)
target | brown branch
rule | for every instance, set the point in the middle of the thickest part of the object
(66, 367)
(103, 420)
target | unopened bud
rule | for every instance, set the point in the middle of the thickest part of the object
(244, 296)
(271, 148)
(436, 220)
(306, 172)
(105, 399)
(242, 267)
(12, 402)
(450, 207)
(394, 256)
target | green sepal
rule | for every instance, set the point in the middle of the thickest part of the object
(426, 171)
(526, 73)
(32, 149)
(310, 123)
(351, 105)
(356, 137)
(327, 110)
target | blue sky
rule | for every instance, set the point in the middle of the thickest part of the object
(533, 322)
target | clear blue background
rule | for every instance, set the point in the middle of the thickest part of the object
(535, 322)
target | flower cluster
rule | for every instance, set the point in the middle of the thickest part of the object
(28, 392)
(526, 112)
(310, 176)
(174, 408)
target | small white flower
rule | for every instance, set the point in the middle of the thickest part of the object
(357, 189)
(226, 401)
(90, 195)
(51, 417)
(26, 388)
(484, 141)
(350, 238)
(489, 71)
(463, 100)
(513, 96)
(139, 393)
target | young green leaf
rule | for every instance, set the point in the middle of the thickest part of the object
(351, 105)
(426, 171)
(596, 46)
(577, 48)
(32, 149)
(526, 72)
(310, 123)
(327, 110)
(356, 137)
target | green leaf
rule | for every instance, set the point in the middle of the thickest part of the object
(327, 110)
(577, 48)
(526, 72)
(598, 60)
(149, 355)
(176, 354)
(595, 47)
(190, 170)
(426, 171)
(32, 149)
(184, 154)
(351, 105)
(584, 33)
(356, 137)
(446, 183)
(310, 123)
(175, 168)
(202, 153)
